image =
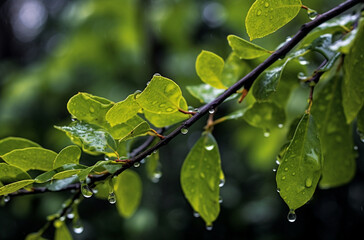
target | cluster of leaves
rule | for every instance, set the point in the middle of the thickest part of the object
(309, 158)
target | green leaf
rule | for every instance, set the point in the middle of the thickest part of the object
(267, 16)
(62, 232)
(206, 93)
(85, 172)
(265, 115)
(163, 120)
(66, 174)
(234, 69)
(339, 162)
(122, 130)
(245, 49)
(93, 139)
(69, 154)
(89, 108)
(300, 169)
(33, 158)
(123, 111)
(9, 174)
(35, 236)
(209, 68)
(142, 129)
(353, 85)
(200, 178)
(153, 167)
(162, 95)
(323, 46)
(128, 192)
(11, 143)
(12, 187)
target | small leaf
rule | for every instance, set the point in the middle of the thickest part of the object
(234, 69)
(244, 49)
(128, 191)
(206, 93)
(85, 172)
(89, 108)
(69, 154)
(62, 232)
(9, 174)
(33, 158)
(162, 95)
(11, 143)
(142, 129)
(339, 162)
(265, 115)
(267, 16)
(353, 85)
(47, 176)
(66, 174)
(123, 111)
(15, 186)
(200, 178)
(300, 169)
(122, 130)
(209, 68)
(153, 167)
(93, 139)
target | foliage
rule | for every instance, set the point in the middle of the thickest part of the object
(309, 157)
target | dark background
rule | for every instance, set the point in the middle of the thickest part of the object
(52, 49)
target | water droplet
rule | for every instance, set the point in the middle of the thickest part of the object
(220, 199)
(212, 111)
(291, 216)
(196, 214)
(111, 198)
(312, 14)
(356, 148)
(209, 227)
(70, 215)
(301, 76)
(77, 226)
(266, 4)
(293, 174)
(280, 125)
(73, 118)
(222, 182)
(284, 178)
(278, 162)
(303, 61)
(162, 105)
(62, 218)
(308, 182)
(184, 131)
(136, 164)
(286, 169)
(156, 176)
(266, 133)
(274, 170)
(259, 12)
(157, 75)
(169, 109)
(86, 190)
(6, 198)
(209, 147)
(92, 110)
(202, 175)
(278, 190)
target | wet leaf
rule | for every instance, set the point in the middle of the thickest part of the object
(33, 158)
(123, 111)
(209, 68)
(244, 49)
(200, 178)
(9, 174)
(69, 154)
(11, 143)
(300, 167)
(265, 115)
(62, 232)
(128, 191)
(267, 16)
(12, 187)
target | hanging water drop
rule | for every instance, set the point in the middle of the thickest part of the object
(278, 190)
(280, 125)
(220, 199)
(209, 227)
(277, 161)
(136, 164)
(301, 76)
(212, 111)
(77, 226)
(6, 198)
(184, 131)
(111, 198)
(356, 148)
(266, 133)
(86, 190)
(73, 118)
(157, 75)
(274, 170)
(70, 214)
(312, 14)
(156, 176)
(196, 214)
(222, 182)
(291, 216)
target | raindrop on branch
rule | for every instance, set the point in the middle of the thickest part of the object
(86, 190)
(184, 131)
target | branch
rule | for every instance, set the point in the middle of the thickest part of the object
(249, 79)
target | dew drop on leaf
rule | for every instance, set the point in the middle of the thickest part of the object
(136, 164)
(111, 198)
(278, 190)
(291, 217)
(156, 176)
(209, 147)
(274, 170)
(209, 227)
(212, 111)
(196, 214)
(184, 131)
(266, 133)
(156, 75)
(86, 190)
(222, 182)
(301, 76)
(303, 61)
(6, 198)
(308, 182)
(259, 12)
(280, 125)
(220, 199)
(266, 4)
(77, 226)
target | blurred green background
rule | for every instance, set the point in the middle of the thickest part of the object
(52, 49)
